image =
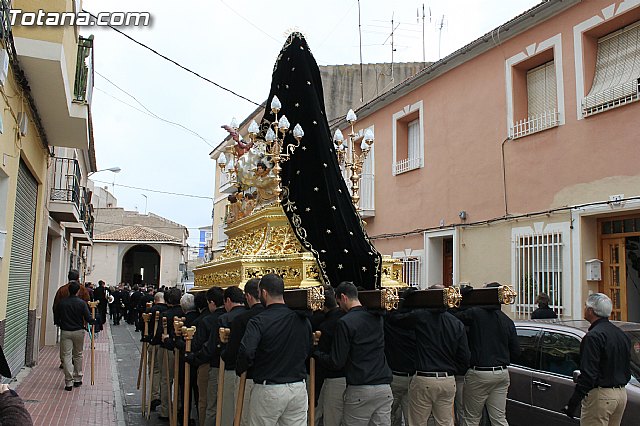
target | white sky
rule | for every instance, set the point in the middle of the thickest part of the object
(235, 43)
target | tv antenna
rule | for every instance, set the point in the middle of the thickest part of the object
(440, 26)
(393, 49)
(424, 58)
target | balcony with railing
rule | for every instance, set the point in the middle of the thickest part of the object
(70, 203)
(407, 164)
(83, 86)
(535, 123)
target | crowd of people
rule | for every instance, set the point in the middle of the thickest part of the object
(404, 367)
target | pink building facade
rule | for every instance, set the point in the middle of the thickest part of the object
(516, 159)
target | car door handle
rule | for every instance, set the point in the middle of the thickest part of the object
(541, 384)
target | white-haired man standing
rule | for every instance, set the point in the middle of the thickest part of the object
(605, 354)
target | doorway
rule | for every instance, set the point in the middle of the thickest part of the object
(621, 266)
(141, 265)
(447, 262)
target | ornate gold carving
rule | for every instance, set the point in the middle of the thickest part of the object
(507, 295)
(390, 298)
(315, 298)
(451, 297)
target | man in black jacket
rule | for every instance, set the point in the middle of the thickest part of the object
(333, 383)
(71, 315)
(605, 367)
(276, 345)
(100, 295)
(358, 348)
(543, 311)
(238, 327)
(493, 343)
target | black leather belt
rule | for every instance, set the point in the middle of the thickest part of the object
(498, 368)
(271, 382)
(401, 373)
(432, 374)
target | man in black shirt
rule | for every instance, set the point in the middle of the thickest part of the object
(158, 306)
(543, 311)
(234, 305)
(330, 402)
(358, 348)
(442, 352)
(493, 342)
(605, 367)
(71, 314)
(238, 326)
(100, 295)
(206, 356)
(400, 351)
(276, 345)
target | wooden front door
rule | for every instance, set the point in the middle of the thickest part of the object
(447, 262)
(614, 276)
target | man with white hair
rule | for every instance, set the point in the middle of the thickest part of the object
(605, 367)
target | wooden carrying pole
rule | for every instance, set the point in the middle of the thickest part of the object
(237, 418)
(223, 333)
(143, 357)
(177, 330)
(152, 365)
(93, 337)
(187, 333)
(312, 382)
(166, 366)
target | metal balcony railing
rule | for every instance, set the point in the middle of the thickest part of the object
(83, 87)
(65, 181)
(86, 212)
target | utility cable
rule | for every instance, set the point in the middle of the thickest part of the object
(176, 63)
(156, 190)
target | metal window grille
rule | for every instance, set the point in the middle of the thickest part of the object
(413, 160)
(538, 264)
(616, 81)
(412, 271)
(534, 124)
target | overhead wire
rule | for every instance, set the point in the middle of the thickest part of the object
(148, 111)
(180, 194)
(176, 63)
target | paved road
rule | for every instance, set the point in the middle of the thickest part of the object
(127, 352)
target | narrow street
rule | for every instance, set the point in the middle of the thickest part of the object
(127, 347)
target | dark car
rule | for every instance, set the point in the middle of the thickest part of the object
(542, 377)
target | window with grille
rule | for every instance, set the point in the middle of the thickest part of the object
(538, 269)
(411, 271)
(617, 74)
(542, 101)
(408, 139)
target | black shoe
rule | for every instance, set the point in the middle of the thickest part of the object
(77, 384)
(154, 404)
(61, 366)
(68, 388)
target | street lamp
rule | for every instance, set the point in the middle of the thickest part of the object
(110, 169)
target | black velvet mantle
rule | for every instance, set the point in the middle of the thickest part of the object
(315, 197)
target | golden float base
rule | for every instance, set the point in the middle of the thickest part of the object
(264, 243)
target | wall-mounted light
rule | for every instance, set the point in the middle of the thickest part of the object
(462, 215)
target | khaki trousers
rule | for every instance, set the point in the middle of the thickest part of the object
(367, 406)
(603, 407)
(330, 402)
(431, 395)
(157, 362)
(400, 406)
(229, 393)
(166, 380)
(282, 405)
(212, 397)
(203, 379)
(246, 408)
(71, 344)
(485, 388)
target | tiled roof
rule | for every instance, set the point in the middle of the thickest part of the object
(136, 233)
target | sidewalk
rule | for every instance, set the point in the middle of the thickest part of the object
(49, 404)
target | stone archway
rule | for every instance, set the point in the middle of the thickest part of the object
(141, 265)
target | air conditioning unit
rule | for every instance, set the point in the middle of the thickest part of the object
(4, 66)
(23, 122)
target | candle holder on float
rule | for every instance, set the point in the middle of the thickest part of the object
(349, 159)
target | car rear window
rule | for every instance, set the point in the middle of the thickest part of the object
(635, 355)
